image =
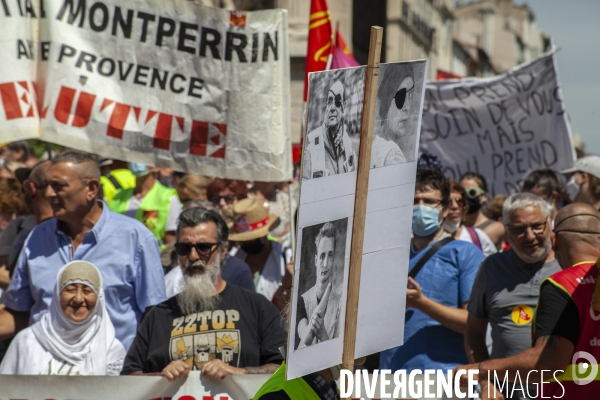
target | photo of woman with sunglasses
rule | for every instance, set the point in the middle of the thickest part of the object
(397, 113)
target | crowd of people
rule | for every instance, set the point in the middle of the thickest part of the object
(109, 268)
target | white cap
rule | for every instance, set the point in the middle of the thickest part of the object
(589, 164)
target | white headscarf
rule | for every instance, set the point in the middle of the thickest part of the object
(84, 344)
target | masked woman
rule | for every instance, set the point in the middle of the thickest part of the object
(75, 336)
(476, 189)
(453, 223)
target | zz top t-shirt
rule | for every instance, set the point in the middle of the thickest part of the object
(243, 330)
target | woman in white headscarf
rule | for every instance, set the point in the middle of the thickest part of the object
(75, 336)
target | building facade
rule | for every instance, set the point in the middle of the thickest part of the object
(505, 31)
(476, 38)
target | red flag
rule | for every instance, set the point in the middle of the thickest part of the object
(342, 56)
(340, 43)
(442, 75)
(320, 40)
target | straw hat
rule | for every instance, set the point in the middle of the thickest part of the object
(251, 221)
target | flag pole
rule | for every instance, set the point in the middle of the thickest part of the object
(360, 204)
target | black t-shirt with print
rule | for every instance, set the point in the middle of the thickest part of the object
(243, 330)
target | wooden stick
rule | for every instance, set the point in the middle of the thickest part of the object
(360, 203)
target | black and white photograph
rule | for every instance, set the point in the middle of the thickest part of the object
(397, 113)
(334, 113)
(322, 262)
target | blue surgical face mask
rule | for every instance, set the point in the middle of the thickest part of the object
(425, 220)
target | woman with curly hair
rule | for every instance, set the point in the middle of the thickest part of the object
(12, 201)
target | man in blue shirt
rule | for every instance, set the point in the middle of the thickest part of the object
(83, 228)
(436, 299)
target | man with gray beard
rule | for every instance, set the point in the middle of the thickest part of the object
(506, 289)
(211, 326)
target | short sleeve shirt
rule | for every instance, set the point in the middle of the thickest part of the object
(506, 292)
(446, 278)
(243, 330)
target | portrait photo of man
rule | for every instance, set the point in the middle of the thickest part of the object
(333, 122)
(321, 275)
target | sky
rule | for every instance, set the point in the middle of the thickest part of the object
(575, 28)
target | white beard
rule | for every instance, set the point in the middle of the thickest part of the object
(541, 255)
(199, 291)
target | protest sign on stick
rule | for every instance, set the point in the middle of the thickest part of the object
(501, 127)
(329, 209)
(360, 202)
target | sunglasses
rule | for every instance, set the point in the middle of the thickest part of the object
(204, 250)
(400, 97)
(337, 99)
(474, 192)
(459, 201)
(229, 199)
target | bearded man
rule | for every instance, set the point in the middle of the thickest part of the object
(507, 286)
(211, 326)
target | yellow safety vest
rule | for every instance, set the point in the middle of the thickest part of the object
(123, 177)
(153, 211)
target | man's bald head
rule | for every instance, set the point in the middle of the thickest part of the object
(84, 164)
(576, 235)
(579, 218)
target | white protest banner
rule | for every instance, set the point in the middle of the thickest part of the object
(501, 127)
(195, 387)
(20, 53)
(168, 83)
(233, 387)
(327, 199)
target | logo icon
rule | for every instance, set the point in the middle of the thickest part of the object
(586, 371)
(522, 314)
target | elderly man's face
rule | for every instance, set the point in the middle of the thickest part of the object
(528, 233)
(67, 192)
(335, 106)
(199, 249)
(324, 259)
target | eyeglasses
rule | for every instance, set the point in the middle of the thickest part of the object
(459, 201)
(204, 250)
(337, 98)
(537, 228)
(400, 97)
(229, 199)
(474, 192)
(428, 202)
